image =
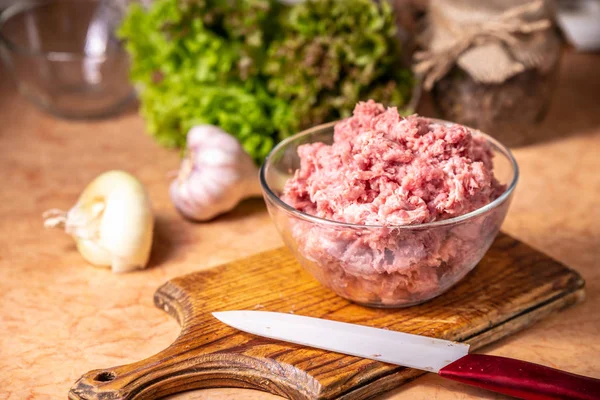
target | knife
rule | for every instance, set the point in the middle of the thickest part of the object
(448, 359)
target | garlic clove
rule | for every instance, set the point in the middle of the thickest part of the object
(181, 198)
(112, 222)
(200, 135)
(215, 176)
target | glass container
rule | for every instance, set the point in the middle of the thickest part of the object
(417, 263)
(65, 57)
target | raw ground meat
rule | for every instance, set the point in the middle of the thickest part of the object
(386, 170)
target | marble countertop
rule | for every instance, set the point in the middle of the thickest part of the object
(61, 317)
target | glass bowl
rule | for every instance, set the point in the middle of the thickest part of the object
(65, 57)
(424, 260)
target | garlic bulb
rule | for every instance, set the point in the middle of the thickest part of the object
(216, 174)
(111, 223)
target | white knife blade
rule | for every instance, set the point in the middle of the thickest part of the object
(393, 347)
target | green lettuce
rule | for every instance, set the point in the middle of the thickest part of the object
(259, 69)
(334, 53)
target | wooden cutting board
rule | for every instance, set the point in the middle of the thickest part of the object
(511, 288)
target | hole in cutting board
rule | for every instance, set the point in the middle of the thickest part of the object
(105, 376)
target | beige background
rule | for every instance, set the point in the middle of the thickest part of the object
(60, 317)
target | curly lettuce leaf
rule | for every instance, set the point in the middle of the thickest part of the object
(334, 53)
(259, 69)
(199, 62)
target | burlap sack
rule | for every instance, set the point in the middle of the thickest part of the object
(491, 40)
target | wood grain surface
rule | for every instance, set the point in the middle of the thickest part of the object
(511, 288)
(60, 317)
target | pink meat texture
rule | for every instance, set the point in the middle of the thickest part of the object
(386, 170)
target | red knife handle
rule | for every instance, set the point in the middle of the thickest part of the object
(520, 378)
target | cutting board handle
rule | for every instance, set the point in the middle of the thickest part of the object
(187, 364)
(169, 373)
(521, 379)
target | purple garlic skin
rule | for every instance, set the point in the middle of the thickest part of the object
(216, 174)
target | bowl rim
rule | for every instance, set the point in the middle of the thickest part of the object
(450, 221)
(26, 5)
